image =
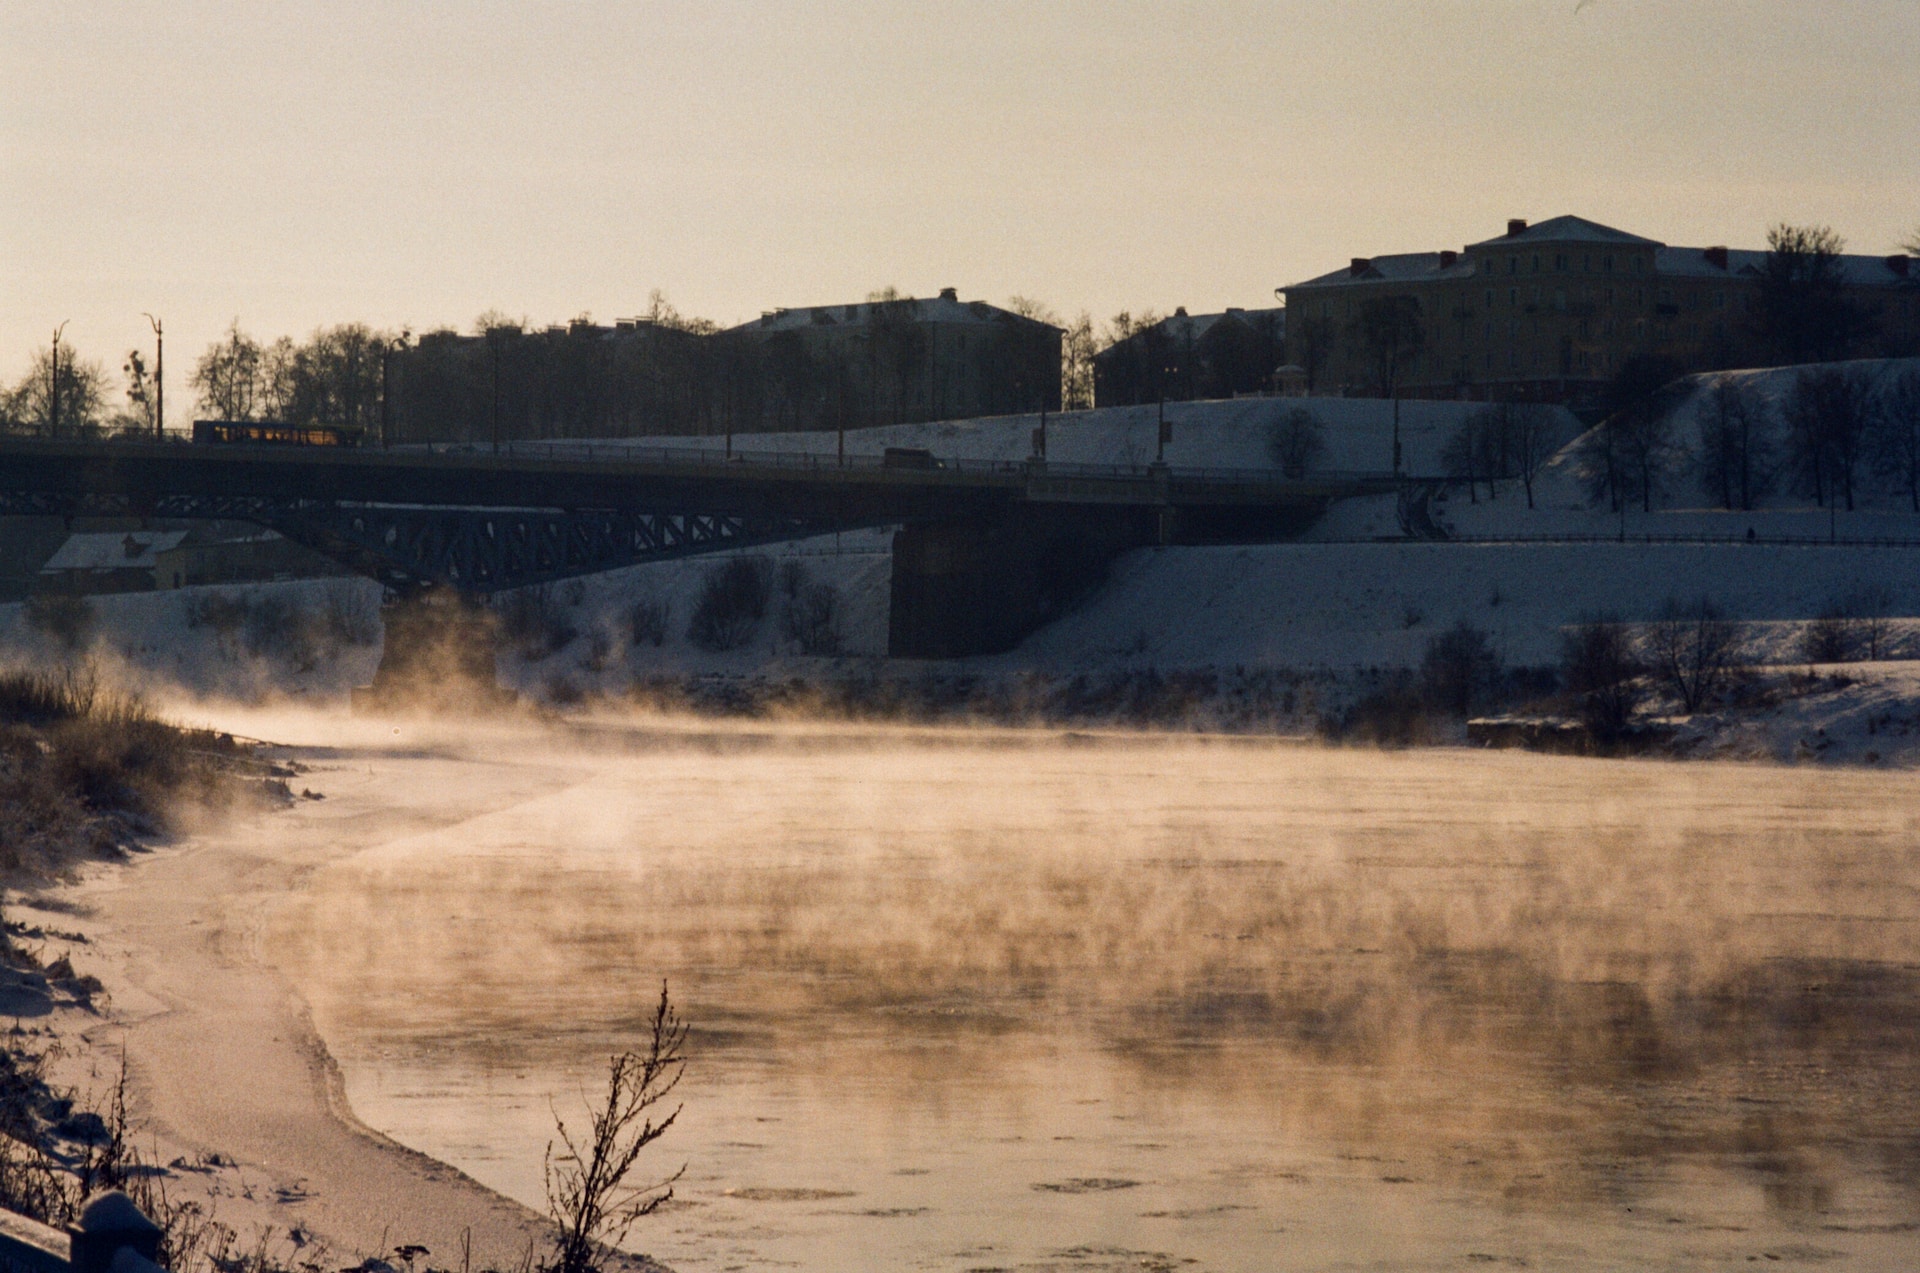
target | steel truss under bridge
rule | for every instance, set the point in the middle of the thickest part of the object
(475, 550)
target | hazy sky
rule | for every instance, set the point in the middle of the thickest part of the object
(413, 163)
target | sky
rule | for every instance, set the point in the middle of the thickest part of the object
(415, 164)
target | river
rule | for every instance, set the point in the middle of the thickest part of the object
(1024, 1000)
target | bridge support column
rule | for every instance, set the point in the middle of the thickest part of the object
(979, 585)
(436, 651)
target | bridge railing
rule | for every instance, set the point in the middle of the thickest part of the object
(620, 451)
(867, 460)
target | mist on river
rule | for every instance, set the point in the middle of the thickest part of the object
(973, 999)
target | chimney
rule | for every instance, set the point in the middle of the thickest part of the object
(1447, 257)
(1716, 257)
(949, 293)
(1361, 264)
(1900, 263)
(1516, 225)
(1180, 311)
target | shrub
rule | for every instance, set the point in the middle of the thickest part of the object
(350, 614)
(1297, 441)
(224, 612)
(1395, 715)
(1460, 670)
(589, 1199)
(278, 626)
(64, 617)
(1600, 672)
(534, 623)
(809, 612)
(733, 600)
(1827, 639)
(649, 621)
(1692, 646)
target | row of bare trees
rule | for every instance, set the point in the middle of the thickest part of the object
(1837, 431)
(1502, 441)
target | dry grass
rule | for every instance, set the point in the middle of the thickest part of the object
(85, 771)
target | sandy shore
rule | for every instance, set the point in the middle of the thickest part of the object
(222, 1056)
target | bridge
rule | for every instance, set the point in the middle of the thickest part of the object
(986, 550)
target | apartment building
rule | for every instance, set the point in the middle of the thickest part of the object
(1549, 312)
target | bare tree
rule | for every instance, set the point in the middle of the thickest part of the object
(588, 1196)
(228, 376)
(1297, 441)
(79, 384)
(1599, 670)
(1896, 434)
(1638, 433)
(1828, 413)
(1390, 330)
(1531, 439)
(1464, 454)
(1312, 345)
(1802, 312)
(1076, 364)
(1692, 649)
(1733, 451)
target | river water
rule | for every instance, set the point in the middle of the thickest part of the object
(973, 1000)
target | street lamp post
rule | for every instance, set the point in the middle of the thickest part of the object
(1166, 430)
(159, 379)
(53, 383)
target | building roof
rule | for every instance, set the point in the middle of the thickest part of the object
(1567, 230)
(1401, 267)
(1183, 326)
(1865, 271)
(1408, 267)
(944, 308)
(113, 550)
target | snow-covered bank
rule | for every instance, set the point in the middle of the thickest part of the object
(230, 1082)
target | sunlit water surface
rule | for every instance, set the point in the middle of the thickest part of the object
(1024, 1001)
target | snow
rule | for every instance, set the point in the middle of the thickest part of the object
(113, 550)
(1338, 605)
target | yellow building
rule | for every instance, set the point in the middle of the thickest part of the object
(1549, 312)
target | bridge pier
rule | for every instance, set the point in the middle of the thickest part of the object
(978, 585)
(437, 650)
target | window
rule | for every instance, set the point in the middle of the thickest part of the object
(1513, 265)
(1489, 298)
(1560, 262)
(1606, 263)
(1513, 296)
(1586, 263)
(1536, 262)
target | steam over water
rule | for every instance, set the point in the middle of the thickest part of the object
(1026, 1001)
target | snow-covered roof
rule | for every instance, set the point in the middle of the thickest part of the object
(944, 308)
(113, 550)
(1864, 271)
(1182, 326)
(1401, 267)
(1568, 230)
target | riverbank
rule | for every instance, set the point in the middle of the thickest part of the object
(230, 1083)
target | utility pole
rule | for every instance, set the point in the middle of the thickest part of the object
(159, 379)
(493, 343)
(53, 383)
